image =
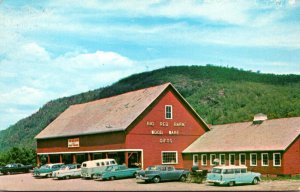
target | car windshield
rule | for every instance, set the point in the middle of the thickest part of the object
(64, 167)
(152, 168)
(45, 167)
(216, 170)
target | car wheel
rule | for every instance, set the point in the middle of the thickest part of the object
(255, 181)
(183, 178)
(135, 175)
(112, 178)
(67, 177)
(8, 173)
(231, 183)
(49, 175)
(156, 179)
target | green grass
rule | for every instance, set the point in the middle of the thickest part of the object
(281, 178)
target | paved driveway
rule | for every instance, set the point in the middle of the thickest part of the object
(25, 182)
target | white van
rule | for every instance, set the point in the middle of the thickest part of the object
(90, 168)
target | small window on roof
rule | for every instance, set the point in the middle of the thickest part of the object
(107, 162)
(102, 164)
(97, 164)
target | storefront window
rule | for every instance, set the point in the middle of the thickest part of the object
(243, 159)
(212, 158)
(204, 159)
(169, 157)
(264, 159)
(231, 159)
(222, 159)
(253, 159)
(195, 159)
(276, 159)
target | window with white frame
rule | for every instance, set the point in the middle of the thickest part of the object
(264, 159)
(168, 112)
(212, 158)
(169, 157)
(276, 159)
(253, 159)
(195, 159)
(231, 159)
(242, 159)
(222, 159)
(204, 159)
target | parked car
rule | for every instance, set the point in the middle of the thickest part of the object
(232, 175)
(15, 168)
(162, 173)
(46, 170)
(90, 168)
(117, 172)
(67, 171)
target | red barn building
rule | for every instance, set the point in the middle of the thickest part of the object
(145, 127)
(156, 125)
(265, 146)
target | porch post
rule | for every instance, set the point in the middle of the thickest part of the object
(89, 157)
(74, 158)
(126, 158)
(38, 160)
(49, 161)
(60, 158)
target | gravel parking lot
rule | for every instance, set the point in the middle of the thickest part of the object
(25, 182)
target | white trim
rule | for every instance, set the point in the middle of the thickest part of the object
(169, 152)
(202, 162)
(279, 159)
(195, 164)
(211, 161)
(253, 165)
(240, 158)
(97, 151)
(262, 160)
(166, 111)
(221, 159)
(230, 159)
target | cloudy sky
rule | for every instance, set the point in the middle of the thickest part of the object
(50, 49)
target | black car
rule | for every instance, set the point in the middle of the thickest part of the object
(15, 168)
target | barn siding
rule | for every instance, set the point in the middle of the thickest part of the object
(140, 136)
(106, 141)
(291, 158)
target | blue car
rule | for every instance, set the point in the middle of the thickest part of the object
(117, 172)
(231, 175)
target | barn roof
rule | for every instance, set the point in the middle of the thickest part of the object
(106, 115)
(270, 135)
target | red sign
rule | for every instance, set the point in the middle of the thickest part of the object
(73, 143)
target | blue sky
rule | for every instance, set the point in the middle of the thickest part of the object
(51, 49)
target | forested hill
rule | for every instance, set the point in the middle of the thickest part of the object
(220, 95)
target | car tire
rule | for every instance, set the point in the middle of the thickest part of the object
(183, 178)
(156, 179)
(112, 178)
(49, 175)
(67, 177)
(255, 181)
(231, 183)
(8, 173)
(135, 175)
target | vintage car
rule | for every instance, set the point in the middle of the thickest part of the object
(67, 171)
(232, 175)
(46, 170)
(162, 173)
(90, 168)
(15, 168)
(117, 172)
